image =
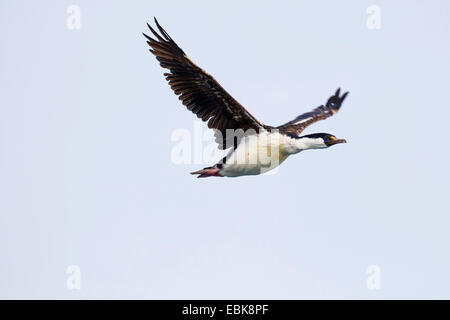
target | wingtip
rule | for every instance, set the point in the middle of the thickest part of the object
(150, 28)
(149, 39)
(156, 21)
(338, 94)
(345, 95)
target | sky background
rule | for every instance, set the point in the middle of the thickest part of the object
(86, 176)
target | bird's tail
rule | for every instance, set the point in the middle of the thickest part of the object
(208, 172)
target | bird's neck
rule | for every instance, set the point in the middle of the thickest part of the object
(301, 144)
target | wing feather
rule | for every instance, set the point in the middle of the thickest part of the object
(198, 90)
(322, 112)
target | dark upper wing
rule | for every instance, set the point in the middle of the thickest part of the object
(299, 124)
(198, 90)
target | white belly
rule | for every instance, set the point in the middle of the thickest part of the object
(256, 154)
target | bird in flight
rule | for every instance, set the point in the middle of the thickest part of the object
(255, 148)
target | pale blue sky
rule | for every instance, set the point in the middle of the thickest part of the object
(86, 176)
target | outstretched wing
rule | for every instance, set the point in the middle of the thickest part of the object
(198, 90)
(300, 123)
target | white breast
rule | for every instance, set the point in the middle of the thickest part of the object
(258, 154)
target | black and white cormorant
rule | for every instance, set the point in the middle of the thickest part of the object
(255, 147)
